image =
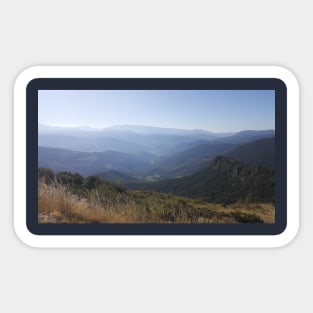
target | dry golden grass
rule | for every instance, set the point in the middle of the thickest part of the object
(56, 204)
(265, 211)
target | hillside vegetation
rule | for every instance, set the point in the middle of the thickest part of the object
(225, 180)
(70, 198)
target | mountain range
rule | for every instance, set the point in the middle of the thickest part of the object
(144, 153)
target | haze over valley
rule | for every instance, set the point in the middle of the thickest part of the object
(139, 151)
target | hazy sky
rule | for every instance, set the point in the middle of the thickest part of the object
(213, 110)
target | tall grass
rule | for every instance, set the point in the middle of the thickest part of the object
(58, 203)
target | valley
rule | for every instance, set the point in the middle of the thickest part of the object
(142, 174)
(140, 152)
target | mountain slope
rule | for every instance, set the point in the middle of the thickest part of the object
(246, 136)
(259, 152)
(94, 143)
(86, 163)
(224, 181)
(190, 160)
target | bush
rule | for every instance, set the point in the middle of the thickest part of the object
(92, 182)
(47, 174)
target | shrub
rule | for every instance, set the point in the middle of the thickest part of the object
(47, 174)
(92, 182)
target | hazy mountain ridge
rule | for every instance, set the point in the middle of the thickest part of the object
(138, 129)
(151, 153)
(246, 136)
(86, 163)
(259, 152)
(128, 139)
(136, 139)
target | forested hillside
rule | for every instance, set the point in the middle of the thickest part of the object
(224, 181)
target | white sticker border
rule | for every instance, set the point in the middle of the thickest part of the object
(157, 241)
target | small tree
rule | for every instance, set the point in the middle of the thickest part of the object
(92, 182)
(78, 180)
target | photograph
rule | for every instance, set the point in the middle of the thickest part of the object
(156, 156)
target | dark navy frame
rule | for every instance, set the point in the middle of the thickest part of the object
(156, 84)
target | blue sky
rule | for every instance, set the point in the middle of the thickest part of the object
(212, 110)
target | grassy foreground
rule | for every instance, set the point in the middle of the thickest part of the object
(57, 203)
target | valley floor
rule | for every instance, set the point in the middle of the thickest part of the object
(57, 204)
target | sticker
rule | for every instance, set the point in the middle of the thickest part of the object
(156, 156)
